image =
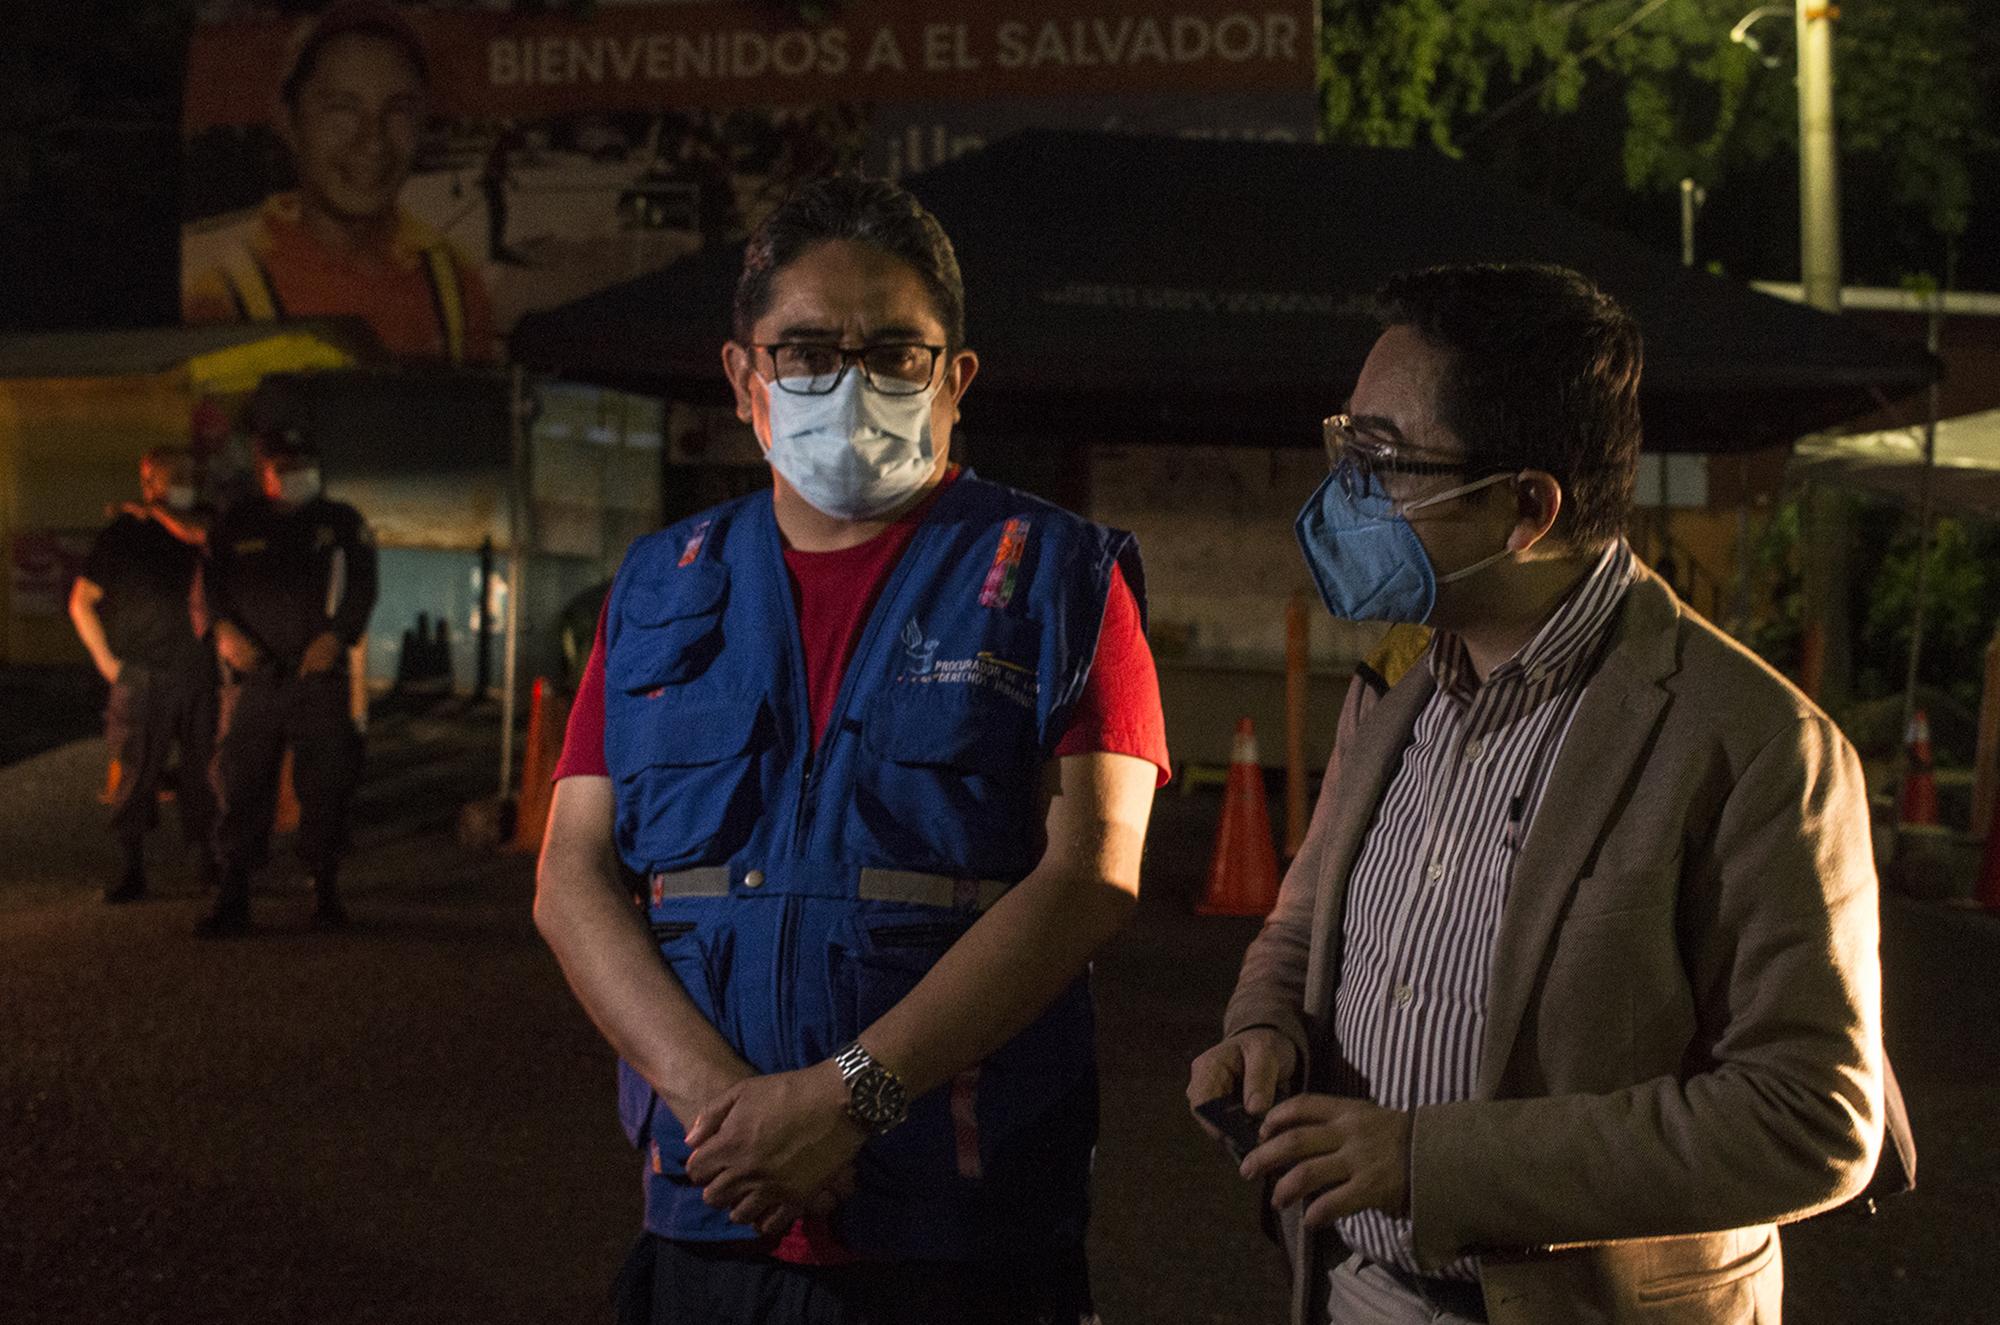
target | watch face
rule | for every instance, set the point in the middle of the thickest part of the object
(877, 1098)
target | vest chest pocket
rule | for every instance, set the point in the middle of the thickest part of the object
(950, 782)
(669, 630)
(689, 778)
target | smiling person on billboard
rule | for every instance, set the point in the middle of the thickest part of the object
(351, 109)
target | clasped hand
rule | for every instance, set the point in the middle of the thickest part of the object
(769, 1148)
(1343, 1155)
(321, 655)
(236, 648)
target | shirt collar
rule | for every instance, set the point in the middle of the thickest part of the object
(1567, 640)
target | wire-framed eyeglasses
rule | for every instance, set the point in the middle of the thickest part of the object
(1368, 462)
(815, 368)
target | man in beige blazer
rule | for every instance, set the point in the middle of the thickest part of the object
(1572, 994)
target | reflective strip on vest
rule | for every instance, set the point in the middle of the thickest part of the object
(874, 885)
(710, 881)
(256, 298)
(448, 298)
(877, 885)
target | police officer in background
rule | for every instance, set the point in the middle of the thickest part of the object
(130, 607)
(289, 584)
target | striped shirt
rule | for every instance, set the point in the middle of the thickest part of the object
(1428, 886)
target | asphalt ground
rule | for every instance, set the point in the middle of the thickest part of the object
(412, 1121)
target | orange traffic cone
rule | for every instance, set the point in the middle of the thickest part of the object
(1243, 872)
(1918, 803)
(548, 715)
(286, 819)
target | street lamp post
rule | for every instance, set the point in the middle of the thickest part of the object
(1819, 170)
(1826, 570)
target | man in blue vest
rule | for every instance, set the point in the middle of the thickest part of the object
(875, 751)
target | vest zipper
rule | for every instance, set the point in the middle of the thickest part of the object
(786, 1047)
(803, 823)
(864, 649)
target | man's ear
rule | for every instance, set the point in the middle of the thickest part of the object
(964, 366)
(1538, 500)
(738, 364)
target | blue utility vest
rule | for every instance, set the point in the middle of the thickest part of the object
(798, 894)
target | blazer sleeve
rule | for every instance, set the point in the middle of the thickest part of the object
(1270, 988)
(1779, 1113)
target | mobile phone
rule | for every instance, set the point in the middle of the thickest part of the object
(1226, 1115)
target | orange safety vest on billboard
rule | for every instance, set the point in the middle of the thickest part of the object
(420, 295)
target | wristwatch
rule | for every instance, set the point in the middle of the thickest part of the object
(875, 1095)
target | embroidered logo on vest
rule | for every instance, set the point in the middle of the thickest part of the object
(918, 653)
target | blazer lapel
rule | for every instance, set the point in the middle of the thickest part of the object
(1608, 737)
(1379, 742)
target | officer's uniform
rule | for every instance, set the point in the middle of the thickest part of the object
(798, 894)
(165, 693)
(284, 577)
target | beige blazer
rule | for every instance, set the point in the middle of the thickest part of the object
(1683, 1043)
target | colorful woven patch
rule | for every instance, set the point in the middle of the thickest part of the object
(695, 540)
(1005, 571)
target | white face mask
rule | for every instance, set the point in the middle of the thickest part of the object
(299, 486)
(854, 452)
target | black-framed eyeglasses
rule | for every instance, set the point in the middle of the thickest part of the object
(815, 368)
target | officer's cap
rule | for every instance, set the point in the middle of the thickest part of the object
(284, 444)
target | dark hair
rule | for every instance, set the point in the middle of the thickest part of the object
(867, 211)
(1544, 374)
(367, 18)
(277, 444)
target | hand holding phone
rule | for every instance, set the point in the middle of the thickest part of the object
(1225, 1113)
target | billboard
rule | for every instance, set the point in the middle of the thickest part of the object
(441, 170)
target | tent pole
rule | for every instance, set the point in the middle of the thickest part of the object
(1924, 518)
(516, 536)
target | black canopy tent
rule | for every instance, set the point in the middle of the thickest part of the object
(1123, 288)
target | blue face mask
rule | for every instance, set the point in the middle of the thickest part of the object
(853, 453)
(1366, 558)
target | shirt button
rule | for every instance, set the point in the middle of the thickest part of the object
(1404, 995)
(754, 879)
(1436, 872)
(1474, 749)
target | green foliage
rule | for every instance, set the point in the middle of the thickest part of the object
(1961, 596)
(1962, 606)
(1695, 104)
(1778, 636)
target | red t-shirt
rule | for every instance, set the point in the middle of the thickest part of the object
(1118, 713)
